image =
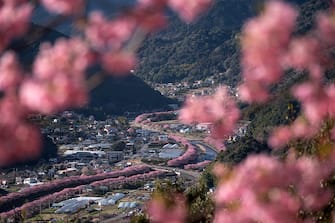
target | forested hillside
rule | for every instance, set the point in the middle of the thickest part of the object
(209, 46)
(197, 50)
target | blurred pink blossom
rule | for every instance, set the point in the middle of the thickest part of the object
(10, 71)
(105, 34)
(219, 109)
(317, 101)
(119, 63)
(281, 136)
(14, 20)
(189, 10)
(160, 212)
(18, 143)
(265, 40)
(53, 95)
(252, 91)
(70, 57)
(257, 190)
(326, 28)
(64, 7)
(305, 54)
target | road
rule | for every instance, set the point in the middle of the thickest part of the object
(190, 173)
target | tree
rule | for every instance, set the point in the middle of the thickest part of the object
(262, 188)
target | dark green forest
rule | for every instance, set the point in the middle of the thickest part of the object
(211, 45)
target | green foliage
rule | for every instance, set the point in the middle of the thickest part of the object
(123, 121)
(201, 205)
(211, 45)
(237, 152)
(119, 146)
(280, 110)
(139, 219)
(196, 51)
(198, 200)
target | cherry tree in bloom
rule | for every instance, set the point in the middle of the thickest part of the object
(20, 142)
(55, 95)
(111, 34)
(219, 109)
(10, 71)
(58, 80)
(14, 20)
(310, 53)
(264, 189)
(253, 193)
(119, 63)
(264, 43)
(70, 57)
(160, 211)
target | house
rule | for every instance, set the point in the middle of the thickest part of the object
(184, 130)
(163, 138)
(203, 126)
(31, 181)
(115, 156)
(171, 146)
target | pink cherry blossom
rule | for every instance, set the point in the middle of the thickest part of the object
(317, 101)
(64, 7)
(264, 43)
(281, 137)
(326, 28)
(158, 4)
(70, 57)
(11, 110)
(219, 109)
(159, 212)
(260, 189)
(199, 165)
(53, 95)
(14, 20)
(10, 72)
(189, 10)
(309, 187)
(251, 192)
(108, 34)
(119, 63)
(149, 14)
(299, 129)
(305, 54)
(252, 91)
(257, 194)
(18, 143)
(150, 19)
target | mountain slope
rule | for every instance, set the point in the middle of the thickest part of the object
(129, 94)
(113, 95)
(198, 50)
(210, 46)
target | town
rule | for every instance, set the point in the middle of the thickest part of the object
(104, 169)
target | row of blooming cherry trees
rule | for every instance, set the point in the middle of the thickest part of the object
(190, 154)
(261, 189)
(15, 199)
(154, 117)
(28, 209)
(197, 166)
